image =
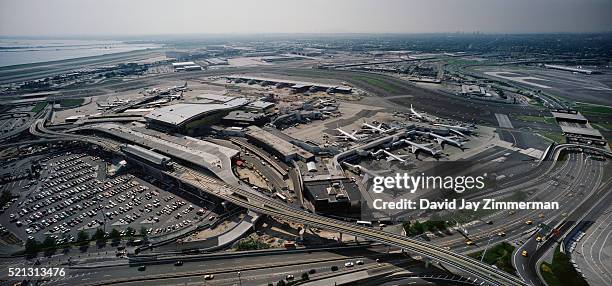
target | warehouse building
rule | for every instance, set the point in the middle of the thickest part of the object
(472, 89)
(186, 66)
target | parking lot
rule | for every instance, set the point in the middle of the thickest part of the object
(73, 194)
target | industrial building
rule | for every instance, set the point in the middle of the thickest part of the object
(337, 197)
(472, 89)
(186, 66)
(190, 118)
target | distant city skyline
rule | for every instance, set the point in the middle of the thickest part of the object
(156, 17)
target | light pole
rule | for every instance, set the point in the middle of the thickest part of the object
(486, 246)
(239, 279)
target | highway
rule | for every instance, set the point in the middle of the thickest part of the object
(528, 267)
(592, 253)
(514, 224)
(254, 269)
(22, 128)
(248, 198)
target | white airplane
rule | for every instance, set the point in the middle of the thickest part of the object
(414, 147)
(378, 128)
(326, 102)
(458, 132)
(174, 89)
(455, 127)
(441, 139)
(350, 136)
(390, 156)
(420, 115)
(416, 114)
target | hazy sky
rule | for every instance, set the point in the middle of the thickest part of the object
(142, 17)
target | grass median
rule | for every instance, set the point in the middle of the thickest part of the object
(499, 255)
(561, 272)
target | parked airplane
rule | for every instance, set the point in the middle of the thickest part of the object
(390, 156)
(378, 128)
(110, 104)
(416, 114)
(172, 96)
(456, 127)
(349, 136)
(414, 147)
(443, 139)
(173, 89)
(421, 116)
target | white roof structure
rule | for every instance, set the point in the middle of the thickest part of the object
(179, 114)
(183, 64)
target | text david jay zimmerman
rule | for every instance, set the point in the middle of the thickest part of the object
(458, 184)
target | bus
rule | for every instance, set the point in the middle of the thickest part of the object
(364, 223)
(281, 196)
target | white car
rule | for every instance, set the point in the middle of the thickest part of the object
(349, 264)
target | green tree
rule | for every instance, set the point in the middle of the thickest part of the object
(143, 231)
(82, 237)
(99, 235)
(406, 226)
(115, 234)
(281, 283)
(130, 232)
(418, 228)
(304, 276)
(5, 197)
(31, 246)
(49, 243)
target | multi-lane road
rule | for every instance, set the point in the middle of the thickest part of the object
(259, 269)
(584, 190)
(593, 252)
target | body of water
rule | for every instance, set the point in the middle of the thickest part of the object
(20, 51)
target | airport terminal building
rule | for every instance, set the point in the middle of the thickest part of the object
(191, 118)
